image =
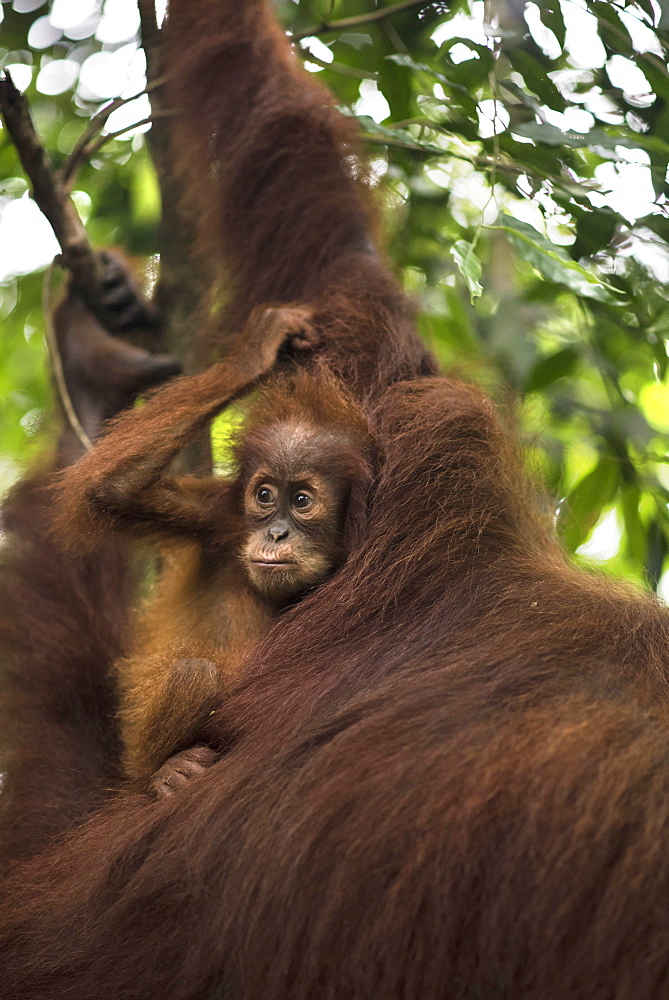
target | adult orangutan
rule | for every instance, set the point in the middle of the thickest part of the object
(446, 773)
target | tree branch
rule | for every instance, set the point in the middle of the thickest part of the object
(148, 21)
(47, 188)
(52, 196)
(354, 22)
(150, 34)
(80, 150)
(96, 145)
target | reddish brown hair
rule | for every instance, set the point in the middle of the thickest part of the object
(446, 771)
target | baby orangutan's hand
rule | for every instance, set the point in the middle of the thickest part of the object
(271, 328)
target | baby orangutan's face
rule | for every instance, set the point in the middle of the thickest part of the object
(295, 516)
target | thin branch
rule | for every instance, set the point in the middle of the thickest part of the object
(326, 27)
(93, 147)
(78, 155)
(492, 176)
(394, 38)
(51, 195)
(56, 360)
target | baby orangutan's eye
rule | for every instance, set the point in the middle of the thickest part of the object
(264, 496)
(302, 501)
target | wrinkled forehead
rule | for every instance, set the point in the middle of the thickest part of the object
(293, 449)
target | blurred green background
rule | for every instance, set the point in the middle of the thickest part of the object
(521, 150)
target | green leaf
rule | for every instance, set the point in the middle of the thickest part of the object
(397, 137)
(551, 15)
(595, 228)
(469, 266)
(482, 51)
(549, 370)
(554, 263)
(656, 554)
(653, 401)
(630, 498)
(531, 103)
(396, 86)
(535, 75)
(647, 7)
(356, 39)
(554, 136)
(470, 72)
(656, 75)
(400, 59)
(223, 432)
(144, 192)
(611, 28)
(583, 506)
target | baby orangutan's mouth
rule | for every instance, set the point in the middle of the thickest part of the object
(273, 563)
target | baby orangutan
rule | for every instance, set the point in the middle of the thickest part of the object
(236, 550)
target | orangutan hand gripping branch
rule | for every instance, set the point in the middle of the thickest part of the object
(104, 373)
(237, 551)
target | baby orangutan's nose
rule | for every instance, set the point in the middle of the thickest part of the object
(278, 531)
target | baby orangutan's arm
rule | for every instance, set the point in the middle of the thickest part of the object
(121, 483)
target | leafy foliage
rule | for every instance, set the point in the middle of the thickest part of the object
(524, 165)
